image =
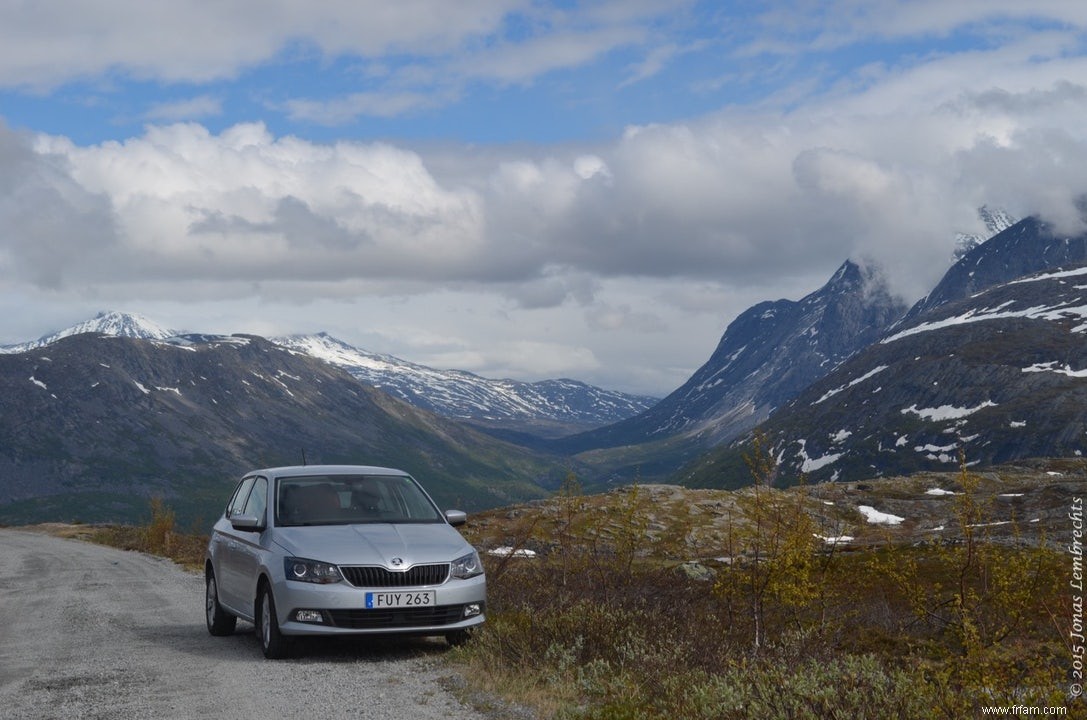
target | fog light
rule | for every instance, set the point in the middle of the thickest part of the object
(472, 609)
(310, 616)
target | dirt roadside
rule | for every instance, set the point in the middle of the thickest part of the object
(95, 632)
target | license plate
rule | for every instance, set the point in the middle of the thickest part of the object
(400, 599)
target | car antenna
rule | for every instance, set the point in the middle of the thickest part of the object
(304, 456)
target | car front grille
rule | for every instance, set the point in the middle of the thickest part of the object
(405, 618)
(371, 577)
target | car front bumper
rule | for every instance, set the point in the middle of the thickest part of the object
(341, 609)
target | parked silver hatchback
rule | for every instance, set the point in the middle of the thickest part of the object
(340, 549)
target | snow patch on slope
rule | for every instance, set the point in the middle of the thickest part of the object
(831, 393)
(1037, 312)
(810, 464)
(1051, 367)
(945, 412)
(875, 517)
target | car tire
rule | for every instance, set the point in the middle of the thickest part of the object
(272, 642)
(456, 638)
(220, 622)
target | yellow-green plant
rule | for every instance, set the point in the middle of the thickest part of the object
(158, 533)
(158, 537)
(598, 543)
(772, 551)
(569, 552)
(974, 602)
(599, 625)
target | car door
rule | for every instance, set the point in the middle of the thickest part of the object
(247, 554)
(227, 548)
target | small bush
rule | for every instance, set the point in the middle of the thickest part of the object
(853, 687)
(158, 537)
(159, 532)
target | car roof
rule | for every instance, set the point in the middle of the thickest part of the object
(310, 470)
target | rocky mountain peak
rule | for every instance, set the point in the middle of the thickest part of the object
(112, 322)
(1028, 246)
(767, 355)
(845, 278)
(121, 324)
(996, 221)
(991, 365)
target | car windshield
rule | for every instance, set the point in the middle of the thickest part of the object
(351, 499)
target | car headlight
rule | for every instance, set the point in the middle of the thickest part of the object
(466, 567)
(311, 571)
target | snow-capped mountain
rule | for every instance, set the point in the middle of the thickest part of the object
(996, 220)
(546, 407)
(1028, 246)
(561, 404)
(995, 368)
(94, 425)
(767, 355)
(114, 323)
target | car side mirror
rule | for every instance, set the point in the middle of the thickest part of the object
(456, 517)
(246, 523)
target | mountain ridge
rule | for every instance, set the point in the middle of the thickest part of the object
(992, 367)
(94, 425)
(765, 356)
(544, 407)
(501, 407)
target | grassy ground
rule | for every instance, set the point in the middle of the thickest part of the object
(597, 610)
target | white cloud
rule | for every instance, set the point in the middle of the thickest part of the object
(606, 317)
(343, 110)
(840, 23)
(522, 61)
(669, 228)
(652, 64)
(51, 42)
(189, 109)
(520, 358)
(758, 200)
(52, 224)
(245, 205)
(586, 166)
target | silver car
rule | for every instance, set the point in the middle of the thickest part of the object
(340, 550)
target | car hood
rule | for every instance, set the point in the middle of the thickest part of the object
(374, 543)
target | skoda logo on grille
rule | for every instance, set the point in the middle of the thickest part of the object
(396, 562)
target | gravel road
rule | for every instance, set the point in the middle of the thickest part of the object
(94, 632)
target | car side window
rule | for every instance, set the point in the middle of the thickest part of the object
(241, 495)
(258, 499)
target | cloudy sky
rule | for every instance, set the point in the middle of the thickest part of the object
(516, 188)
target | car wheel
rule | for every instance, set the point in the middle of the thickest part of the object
(220, 622)
(272, 642)
(456, 638)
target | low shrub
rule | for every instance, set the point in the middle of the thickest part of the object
(602, 627)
